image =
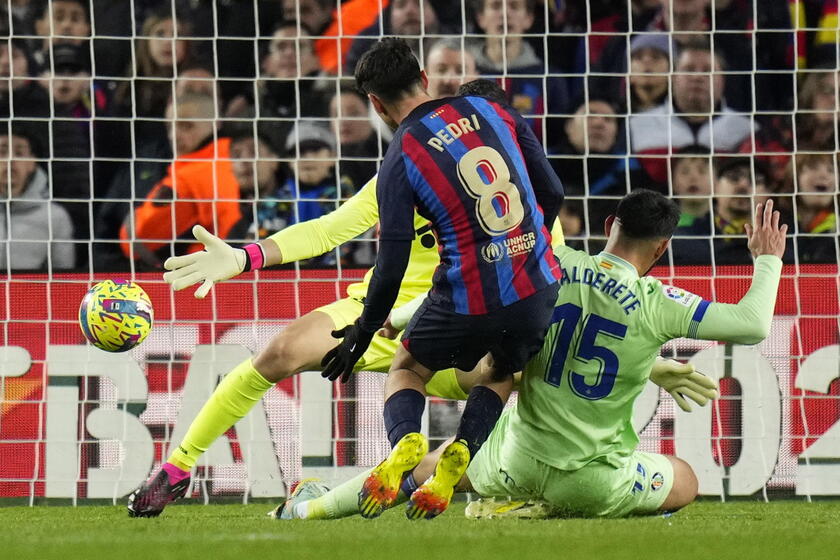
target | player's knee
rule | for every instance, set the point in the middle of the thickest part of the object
(279, 359)
(685, 486)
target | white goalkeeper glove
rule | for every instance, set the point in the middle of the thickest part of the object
(681, 381)
(217, 263)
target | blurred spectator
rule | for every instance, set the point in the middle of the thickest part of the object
(684, 16)
(197, 79)
(199, 188)
(691, 178)
(60, 22)
(503, 48)
(311, 187)
(503, 52)
(153, 156)
(599, 167)
(158, 56)
(733, 33)
(292, 84)
(650, 62)
(769, 35)
(409, 19)
(815, 185)
(572, 221)
(225, 32)
(256, 166)
(607, 21)
(448, 65)
(20, 94)
(360, 147)
(697, 114)
(36, 233)
(75, 100)
(817, 22)
(312, 181)
(723, 231)
(816, 121)
(113, 27)
(200, 79)
(336, 23)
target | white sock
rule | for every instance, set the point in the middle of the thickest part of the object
(301, 509)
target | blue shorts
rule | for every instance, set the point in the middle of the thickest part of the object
(439, 338)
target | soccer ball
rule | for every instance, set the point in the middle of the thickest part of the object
(116, 315)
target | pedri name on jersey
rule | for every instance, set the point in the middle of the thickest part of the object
(453, 131)
(601, 282)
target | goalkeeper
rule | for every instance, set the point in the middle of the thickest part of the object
(569, 443)
(304, 342)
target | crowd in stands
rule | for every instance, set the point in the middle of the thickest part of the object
(124, 123)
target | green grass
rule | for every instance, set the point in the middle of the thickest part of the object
(740, 530)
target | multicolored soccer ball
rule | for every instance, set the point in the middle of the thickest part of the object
(116, 315)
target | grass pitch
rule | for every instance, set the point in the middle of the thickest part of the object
(740, 530)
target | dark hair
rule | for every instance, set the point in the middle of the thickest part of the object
(388, 70)
(26, 130)
(294, 24)
(724, 163)
(347, 87)
(646, 214)
(692, 151)
(702, 44)
(238, 133)
(478, 6)
(41, 9)
(484, 88)
(584, 101)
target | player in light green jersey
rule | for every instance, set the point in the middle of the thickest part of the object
(569, 441)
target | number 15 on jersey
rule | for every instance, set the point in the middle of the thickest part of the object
(568, 315)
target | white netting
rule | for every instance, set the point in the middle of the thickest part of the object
(717, 106)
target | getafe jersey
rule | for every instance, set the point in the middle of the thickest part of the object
(576, 397)
(464, 163)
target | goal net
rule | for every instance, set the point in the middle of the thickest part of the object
(126, 123)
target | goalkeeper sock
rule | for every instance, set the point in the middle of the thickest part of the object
(403, 412)
(484, 406)
(235, 396)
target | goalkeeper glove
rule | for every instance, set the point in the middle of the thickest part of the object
(217, 263)
(681, 381)
(339, 361)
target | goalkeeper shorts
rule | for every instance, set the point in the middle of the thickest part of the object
(599, 489)
(381, 351)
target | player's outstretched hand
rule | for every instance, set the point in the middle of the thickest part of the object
(339, 362)
(681, 380)
(765, 236)
(217, 263)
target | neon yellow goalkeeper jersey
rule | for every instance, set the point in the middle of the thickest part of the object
(360, 213)
(576, 397)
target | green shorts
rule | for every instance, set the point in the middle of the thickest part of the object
(380, 354)
(599, 489)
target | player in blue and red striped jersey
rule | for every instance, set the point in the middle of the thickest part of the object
(475, 170)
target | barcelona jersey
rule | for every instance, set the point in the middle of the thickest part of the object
(471, 167)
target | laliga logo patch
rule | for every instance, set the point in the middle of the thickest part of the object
(657, 481)
(678, 295)
(492, 252)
